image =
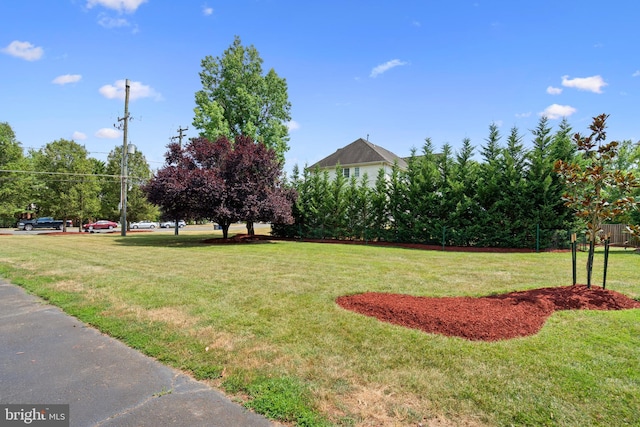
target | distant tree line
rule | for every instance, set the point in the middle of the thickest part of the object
(61, 180)
(511, 198)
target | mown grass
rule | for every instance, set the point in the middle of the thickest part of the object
(260, 321)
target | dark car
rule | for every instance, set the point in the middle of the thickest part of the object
(103, 224)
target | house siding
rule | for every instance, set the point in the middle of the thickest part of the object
(361, 154)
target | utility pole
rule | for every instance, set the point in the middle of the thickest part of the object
(125, 166)
(180, 131)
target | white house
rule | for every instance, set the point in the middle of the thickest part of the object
(358, 158)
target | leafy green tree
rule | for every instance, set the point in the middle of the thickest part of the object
(237, 99)
(10, 148)
(70, 189)
(138, 174)
(589, 182)
(15, 183)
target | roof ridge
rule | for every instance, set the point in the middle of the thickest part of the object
(359, 151)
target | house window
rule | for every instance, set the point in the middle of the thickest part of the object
(345, 172)
(356, 172)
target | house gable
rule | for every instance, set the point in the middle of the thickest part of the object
(360, 153)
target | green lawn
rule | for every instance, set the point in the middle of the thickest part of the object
(260, 322)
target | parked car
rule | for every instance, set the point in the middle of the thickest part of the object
(144, 224)
(102, 224)
(44, 222)
(172, 224)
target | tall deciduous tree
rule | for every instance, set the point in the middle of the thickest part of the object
(588, 184)
(221, 181)
(70, 187)
(15, 183)
(138, 174)
(237, 99)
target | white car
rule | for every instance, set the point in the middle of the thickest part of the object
(144, 224)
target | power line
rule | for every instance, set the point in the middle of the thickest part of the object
(67, 173)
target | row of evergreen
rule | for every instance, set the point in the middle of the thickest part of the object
(511, 198)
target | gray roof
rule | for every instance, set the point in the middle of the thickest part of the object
(358, 152)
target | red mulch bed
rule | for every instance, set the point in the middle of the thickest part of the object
(490, 318)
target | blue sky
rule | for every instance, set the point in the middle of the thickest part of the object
(397, 71)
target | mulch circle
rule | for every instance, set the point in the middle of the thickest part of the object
(490, 318)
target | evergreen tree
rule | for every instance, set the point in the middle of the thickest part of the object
(462, 221)
(543, 190)
(380, 209)
(490, 223)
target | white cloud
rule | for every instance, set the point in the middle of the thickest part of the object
(108, 133)
(136, 90)
(591, 84)
(67, 78)
(523, 115)
(554, 90)
(79, 136)
(293, 125)
(24, 50)
(382, 68)
(636, 74)
(128, 6)
(109, 22)
(207, 11)
(555, 111)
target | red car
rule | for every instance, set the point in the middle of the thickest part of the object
(103, 224)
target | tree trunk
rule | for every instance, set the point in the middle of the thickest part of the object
(592, 245)
(225, 229)
(250, 230)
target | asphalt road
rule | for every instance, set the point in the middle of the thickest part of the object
(235, 228)
(50, 358)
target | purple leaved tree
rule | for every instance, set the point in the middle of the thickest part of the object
(222, 181)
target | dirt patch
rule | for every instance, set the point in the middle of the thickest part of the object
(490, 318)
